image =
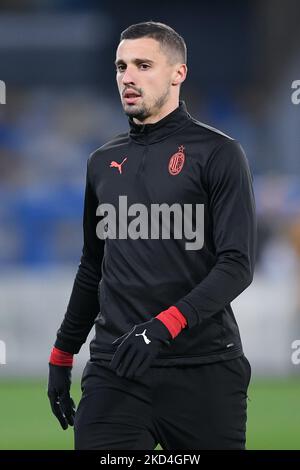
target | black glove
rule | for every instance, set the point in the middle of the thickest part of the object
(59, 384)
(138, 347)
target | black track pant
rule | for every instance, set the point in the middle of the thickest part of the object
(180, 407)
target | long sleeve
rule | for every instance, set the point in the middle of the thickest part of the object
(232, 213)
(83, 305)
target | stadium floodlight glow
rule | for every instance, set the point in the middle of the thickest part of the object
(2, 92)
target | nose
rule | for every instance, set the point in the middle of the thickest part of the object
(128, 77)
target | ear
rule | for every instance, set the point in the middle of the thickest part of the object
(179, 74)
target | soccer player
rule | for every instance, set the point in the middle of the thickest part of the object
(166, 363)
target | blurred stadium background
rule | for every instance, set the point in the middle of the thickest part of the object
(57, 60)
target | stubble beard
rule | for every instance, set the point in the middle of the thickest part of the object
(142, 111)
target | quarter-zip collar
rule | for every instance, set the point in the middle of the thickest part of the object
(150, 133)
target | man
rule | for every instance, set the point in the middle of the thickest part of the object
(167, 364)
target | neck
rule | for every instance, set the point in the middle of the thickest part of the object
(164, 111)
(150, 133)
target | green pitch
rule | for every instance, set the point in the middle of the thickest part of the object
(26, 421)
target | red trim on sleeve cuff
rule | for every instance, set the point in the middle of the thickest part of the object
(173, 319)
(60, 358)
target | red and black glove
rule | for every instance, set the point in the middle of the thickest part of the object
(59, 384)
(138, 348)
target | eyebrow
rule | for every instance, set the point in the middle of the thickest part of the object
(135, 61)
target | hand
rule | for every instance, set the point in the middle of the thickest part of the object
(59, 384)
(138, 348)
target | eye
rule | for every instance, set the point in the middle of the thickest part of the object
(121, 68)
(144, 66)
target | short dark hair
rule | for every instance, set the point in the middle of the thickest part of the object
(167, 37)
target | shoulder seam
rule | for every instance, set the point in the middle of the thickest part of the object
(118, 136)
(211, 129)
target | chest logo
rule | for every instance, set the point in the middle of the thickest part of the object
(114, 164)
(176, 162)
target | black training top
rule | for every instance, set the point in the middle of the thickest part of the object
(177, 160)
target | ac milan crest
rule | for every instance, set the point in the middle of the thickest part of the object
(176, 162)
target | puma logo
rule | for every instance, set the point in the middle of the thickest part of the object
(114, 164)
(147, 340)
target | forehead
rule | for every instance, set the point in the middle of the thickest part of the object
(142, 48)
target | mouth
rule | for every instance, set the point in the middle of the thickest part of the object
(131, 96)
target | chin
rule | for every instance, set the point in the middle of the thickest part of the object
(131, 110)
(135, 112)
